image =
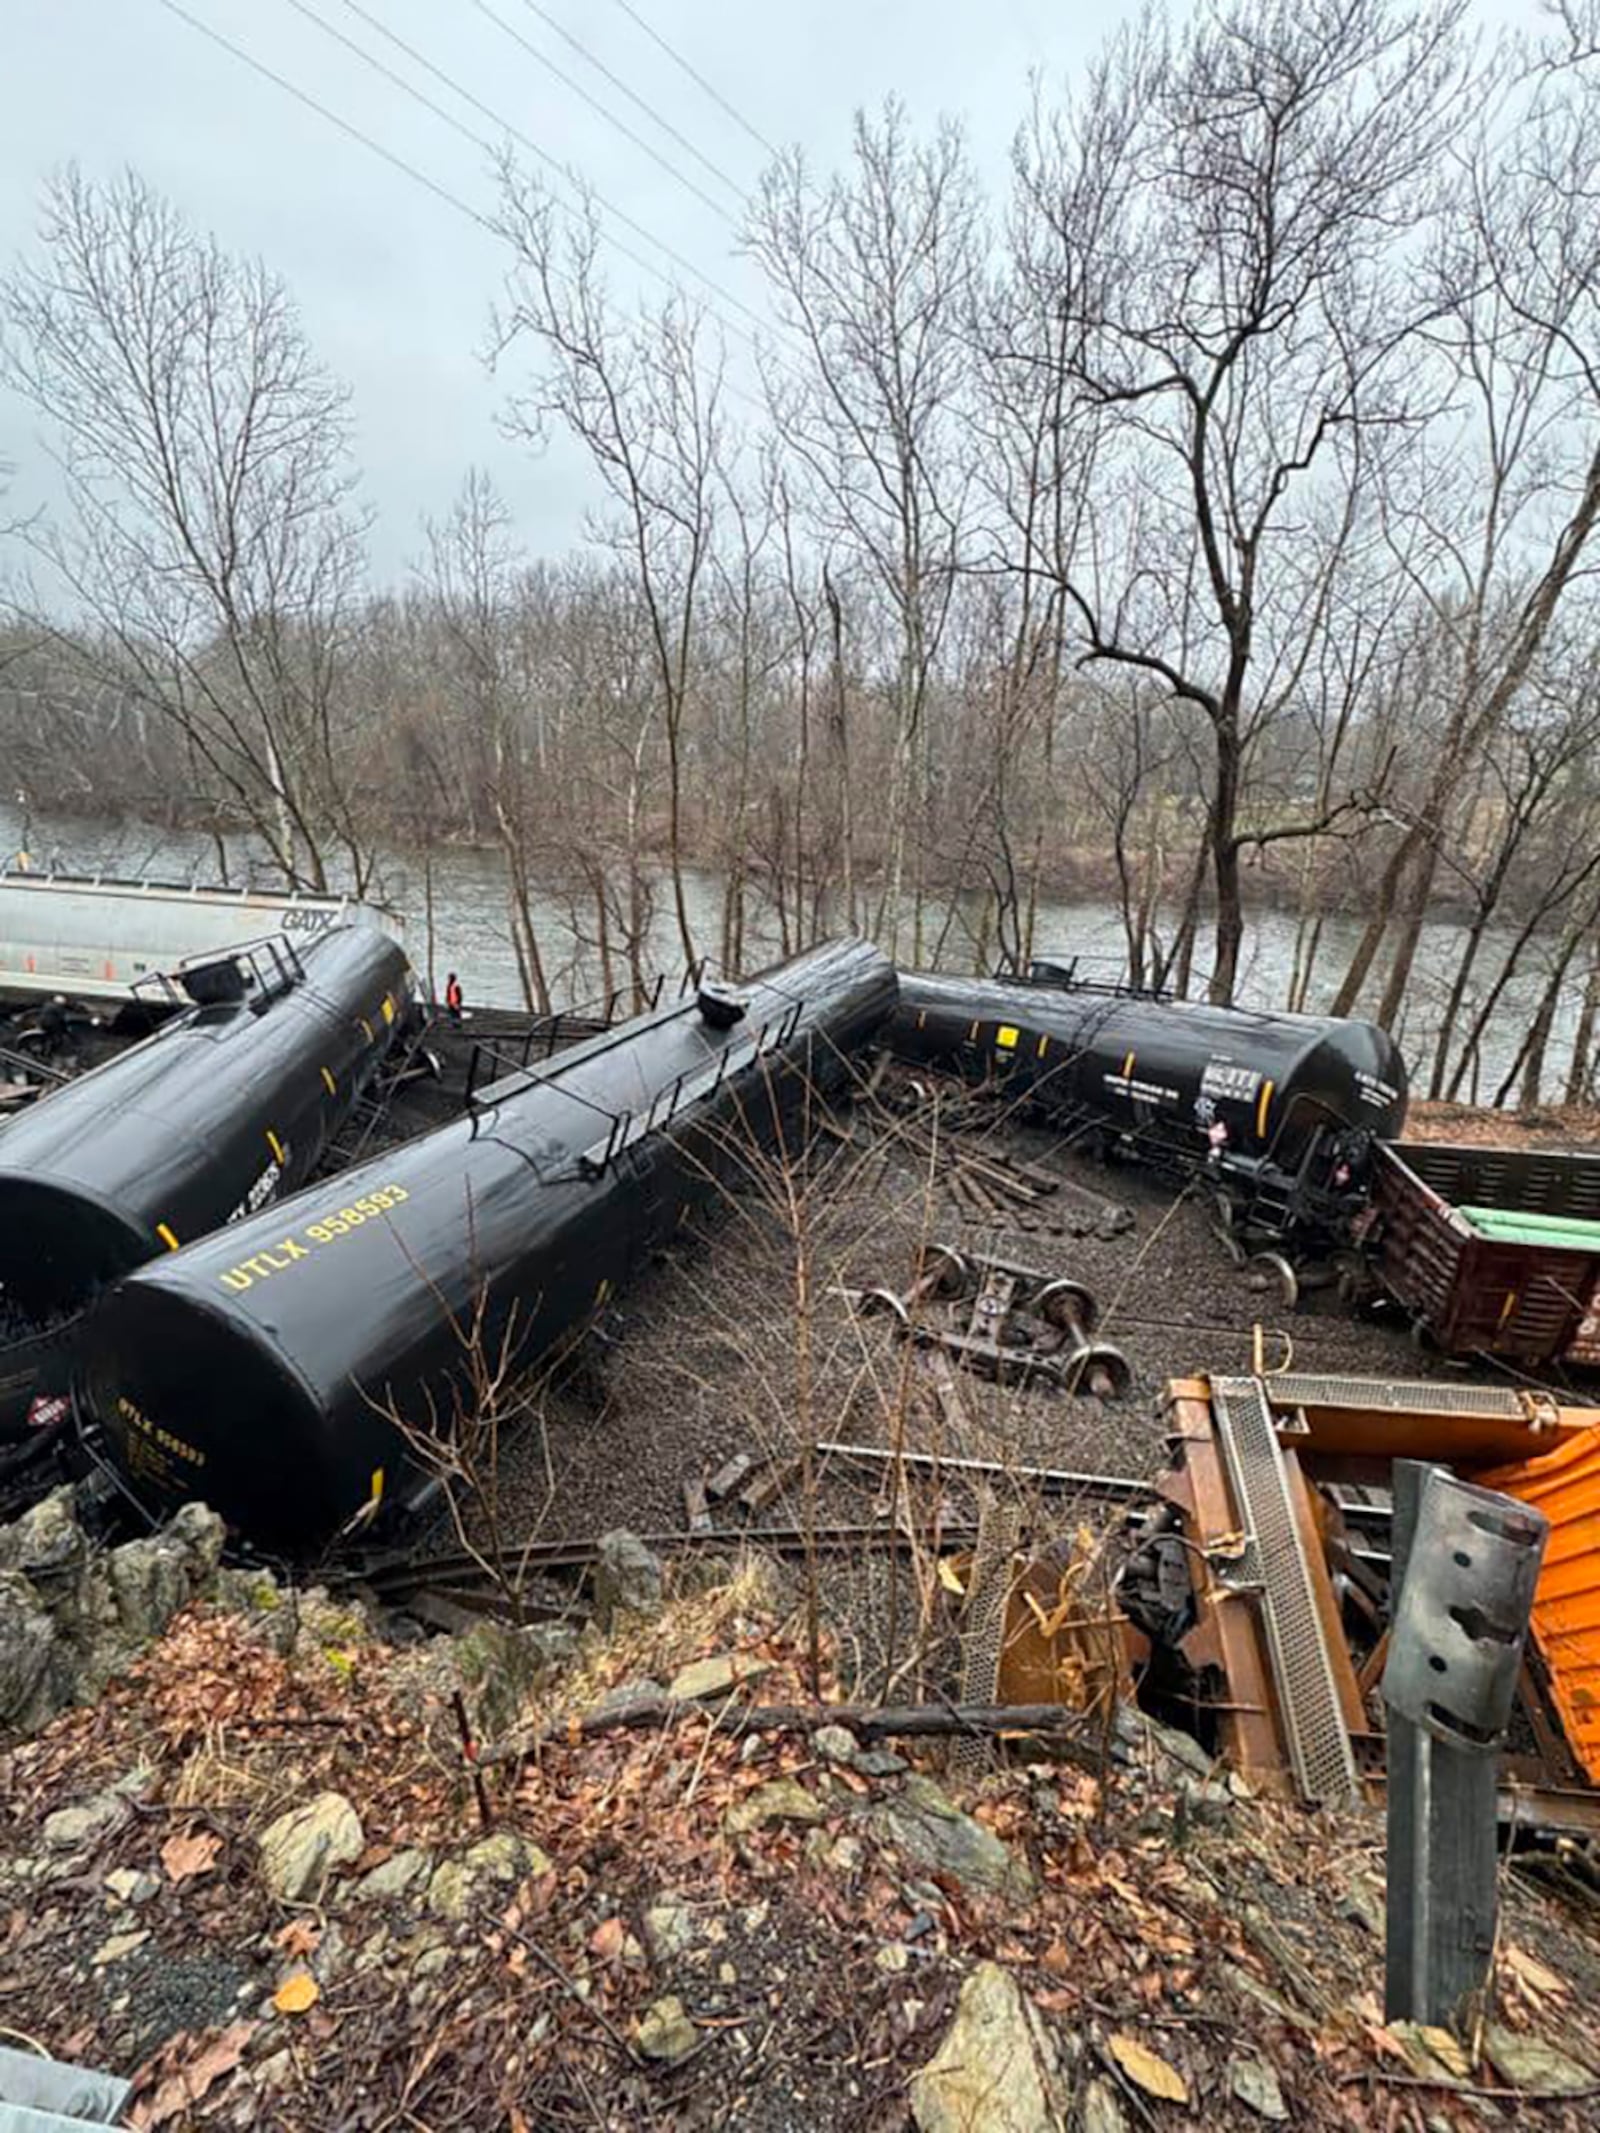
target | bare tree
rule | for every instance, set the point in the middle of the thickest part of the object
(210, 549)
(1214, 225)
(874, 278)
(643, 401)
(473, 573)
(1509, 511)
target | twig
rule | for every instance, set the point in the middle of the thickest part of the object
(589, 2006)
(470, 1756)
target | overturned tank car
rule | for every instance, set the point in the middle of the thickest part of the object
(229, 1105)
(1281, 1111)
(273, 1367)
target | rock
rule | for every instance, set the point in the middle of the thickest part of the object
(879, 1763)
(1138, 1739)
(1101, 2110)
(631, 1696)
(27, 1658)
(396, 1876)
(246, 1592)
(1529, 2064)
(70, 1828)
(627, 1578)
(119, 1945)
(921, 1821)
(716, 1676)
(665, 2031)
(47, 1539)
(503, 1665)
(301, 1848)
(151, 1579)
(835, 1744)
(892, 1958)
(1366, 1906)
(995, 2070)
(126, 1885)
(669, 1929)
(1256, 2084)
(71, 1620)
(784, 1800)
(503, 1859)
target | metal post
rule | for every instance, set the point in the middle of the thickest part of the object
(1465, 1564)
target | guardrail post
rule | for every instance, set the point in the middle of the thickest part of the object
(1465, 1564)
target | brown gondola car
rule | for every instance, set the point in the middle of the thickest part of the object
(1492, 1251)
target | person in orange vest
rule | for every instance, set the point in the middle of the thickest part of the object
(453, 998)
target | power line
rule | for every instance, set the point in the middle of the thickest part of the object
(449, 118)
(303, 96)
(409, 169)
(665, 162)
(699, 80)
(739, 191)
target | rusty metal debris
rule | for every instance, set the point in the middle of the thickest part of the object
(1005, 1321)
(1200, 1592)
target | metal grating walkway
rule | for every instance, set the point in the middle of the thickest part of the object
(1399, 1396)
(1313, 1717)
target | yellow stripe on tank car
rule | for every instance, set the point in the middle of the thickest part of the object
(602, 1292)
(1005, 1037)
(329, 1083)
(1508, 1306)
(1263, 1106)
(366, 1027)
(275, 1144)
(1044, 1046)
(1127, 1066)
(388, 1008)
(167, 1237)
(922, 1018)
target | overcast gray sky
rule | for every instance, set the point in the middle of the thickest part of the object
(394, 284)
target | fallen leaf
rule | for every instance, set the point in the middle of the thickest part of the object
(607, 1938)
(1148, 2070)
(195, 1852)
(299, 1939)
(298, 1991)
(188, 2083)
(950, 1577)
(1532, 1975)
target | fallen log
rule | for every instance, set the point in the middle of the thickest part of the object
(871, 1722)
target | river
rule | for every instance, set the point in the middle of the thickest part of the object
(471, 934)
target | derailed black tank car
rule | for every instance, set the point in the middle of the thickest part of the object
(258, 1369)
(229, 1105)
(1281, 1109)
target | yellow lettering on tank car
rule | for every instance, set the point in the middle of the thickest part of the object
(237, 1280)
